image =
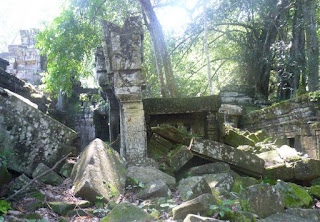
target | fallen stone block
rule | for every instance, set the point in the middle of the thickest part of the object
(20, 182)
(127, 212)
(197, 218)
(99, 172)
(236, 139)
(243, 182)
(261, 199)
(172, 134)
(241, 160)
(154, 189)
(210, 168)
(179, 157)
(148, 174)
(282, 172)
(200, 205)
(32, 136)
(193, 187)
(51, 178)
(158, 147)
(221, 182)
(307, 169)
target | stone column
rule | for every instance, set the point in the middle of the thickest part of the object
(123, 57)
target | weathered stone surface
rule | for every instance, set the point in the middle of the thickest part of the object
(4, 175)
(172, 134)
(240, 216)
(179, 157)
(62, 208)
(51, 178)
(241, 160)
(222, 182)
(311, 215)
(295, 196)
(66, 168)
(154, 189)
(288, 153)
(100, 171)
(148, 174)
(283, 171)
(199, 205)
(197, 218)
(262, 199)
(307, 169)
(210, 168)
(271, 158)
(34, 137)
(158, 147)
(235, 139)
(243, 182)
(20, 182)
(281, 217)
(231, 114)
(127, 212)
(193, 187)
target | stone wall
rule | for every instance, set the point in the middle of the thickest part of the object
(25, 60)
(237, 95)
(198, 115)
(294, 122)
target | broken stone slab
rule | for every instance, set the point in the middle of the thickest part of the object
(210, 168)
(51, 178)
(61, 208)
(307, 169)
(32, 136)
(66, 168)
(241, 160)
(283, 172)
(200, 205)
(148, 174)
(271, 158)
(235, 139)
(221, 182)
(197, 218)
(294, 195)
(172, 134)
(312, 215)
(261, 199)
(154, 189)
(158, 147)
(99, 172)
(288, 153)
(178, 157)
(127, 212)
(193, 187)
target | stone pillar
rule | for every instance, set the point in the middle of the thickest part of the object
(123, 57)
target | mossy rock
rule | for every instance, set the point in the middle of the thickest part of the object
(172, 134)
(62, 208)
(295, 196)
(315, 191)
(242, 183)
(127, 212)
(239, 216)
(235, 139)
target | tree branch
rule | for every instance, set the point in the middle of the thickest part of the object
(37, 177)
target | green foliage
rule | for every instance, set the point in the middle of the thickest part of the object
(134, 183)
(223, 208)
(4, 206)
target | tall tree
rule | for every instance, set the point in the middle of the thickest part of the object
(312, 44)
(161, 53)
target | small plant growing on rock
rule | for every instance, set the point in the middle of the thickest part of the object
(222, 209)
(4, 206)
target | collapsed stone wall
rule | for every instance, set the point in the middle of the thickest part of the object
(25, 60)
(294, 122)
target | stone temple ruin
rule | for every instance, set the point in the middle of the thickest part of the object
(218, 147)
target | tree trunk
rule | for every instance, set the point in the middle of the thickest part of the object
(205, 43)
(297, 61)
(159, 44)
(312, 45)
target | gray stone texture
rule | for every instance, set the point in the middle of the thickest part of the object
(31, 135)
(99, 172)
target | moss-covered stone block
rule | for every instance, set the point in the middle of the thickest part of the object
(307, 169)
(242, 183)
(315, 191)
(172, 134)
(127, 212)
(235, 139)
(210, 168)
(239, 216)
(4, 175)
(282, 171)
(294, 195)
(179, 157)
(62, 208)
(158, 147)
(51, 178)
(193, 187)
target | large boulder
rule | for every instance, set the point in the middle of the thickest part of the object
(261, 199)
(154, 189)
(99, 172)
(30, 135)
(148, 174)
(200, 205)
(295, 196)
(127, 212)
(241, 160)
